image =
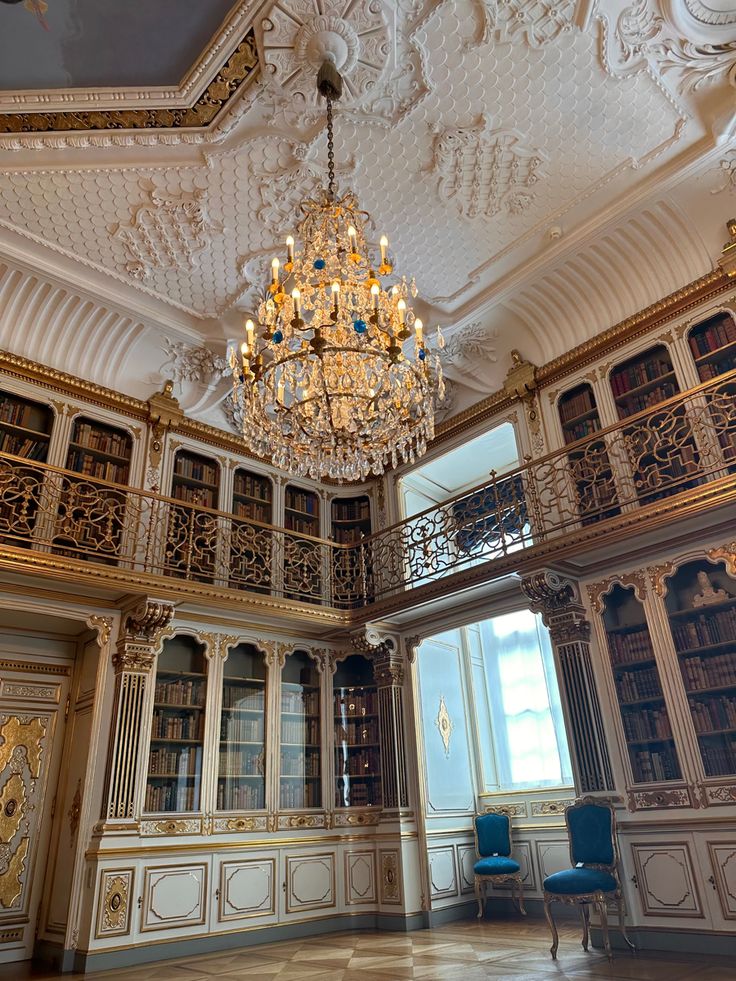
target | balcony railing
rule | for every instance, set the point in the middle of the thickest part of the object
(588, 488)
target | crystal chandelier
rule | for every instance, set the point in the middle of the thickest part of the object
(336, 380)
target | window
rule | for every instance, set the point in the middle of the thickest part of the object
(528, 731)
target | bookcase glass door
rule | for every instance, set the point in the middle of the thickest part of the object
(590, 467)
(251, 547)
(241, 774)
(357, 748)
(701, 606)
(644, 716)
(177, 729)
(713, 347)
(300, 773)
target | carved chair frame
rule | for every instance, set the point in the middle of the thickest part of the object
(480, 882)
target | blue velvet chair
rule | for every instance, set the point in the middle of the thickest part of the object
(593, 881)
(495, 865)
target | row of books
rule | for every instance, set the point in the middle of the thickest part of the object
(179, 761)
(624, 379)
(709, 672)
(634, 646)
(239, 762)
(299, 764)
(355, 733)
(570, 408)
(646, 400)
(650, 765)
(348, 535)
(301, 501)
(29, 449)
(355, 701)
(254, 512)
(633, 686)
(714, 713)
(580, 429)
(181, 692)
(709, 628)
(90, 466)
(300, 733)
(294, 795)
(242, 696)
(171, 797)
(718, 333)
(116, 444)
(186, 466)
(363, 763)
(23, 415)
(236, 729)
(357, 793)
(177, 726)
(306, 702)
(715, 368)
(302, 526)
(249, 796)
(194, 495)
(359, 510)
(250, 486)
(647, 724)
(719, 758)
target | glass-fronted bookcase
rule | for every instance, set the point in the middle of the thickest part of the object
(357, 746)
(300, 766)
(241, 768)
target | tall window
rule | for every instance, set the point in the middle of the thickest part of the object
(528, 732)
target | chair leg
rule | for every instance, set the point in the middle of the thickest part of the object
(521, 895)
(553, 928)
(603, 913)
(480, 896)
(621, 906)
(585, 917)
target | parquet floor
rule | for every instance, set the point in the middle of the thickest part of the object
(466, 951)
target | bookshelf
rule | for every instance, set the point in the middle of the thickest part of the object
(300, 772)
(241, 773)
(350, 523)
(25, 431)
(193, 534)
(174, 773)
(644, 716)
(102, 452)
(250, 548)
(713, 347)
(595, 489)
(302, 578)
(701, 606)
(357, 749)
(641, 383)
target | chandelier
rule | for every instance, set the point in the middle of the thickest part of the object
(336, 380)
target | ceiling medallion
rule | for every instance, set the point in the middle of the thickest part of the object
(335, 380)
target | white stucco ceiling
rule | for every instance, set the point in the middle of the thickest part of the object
(543, 169)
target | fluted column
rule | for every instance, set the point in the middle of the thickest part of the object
(140, 634)
(558, 600)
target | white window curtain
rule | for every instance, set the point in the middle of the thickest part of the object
(528, 727)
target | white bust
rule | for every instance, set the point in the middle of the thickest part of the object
(708, 594)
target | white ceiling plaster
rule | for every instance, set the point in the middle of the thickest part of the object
(544, 170)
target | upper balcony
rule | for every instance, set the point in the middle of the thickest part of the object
(674, 461)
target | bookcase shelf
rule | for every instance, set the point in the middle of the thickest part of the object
(241, 773)
(595, 489)
(174, 771)
(193, 534)
(713, 346)
(643, 712)
(25, 431)
(701, 605)
(302, 578)
(357, 752)
(350, 524)
(300, 769)
(251, 556)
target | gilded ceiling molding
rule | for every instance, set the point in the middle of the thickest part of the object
(222, 89)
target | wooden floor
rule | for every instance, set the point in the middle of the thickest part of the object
(465, 951)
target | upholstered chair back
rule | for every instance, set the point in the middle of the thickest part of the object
(493, 835)
(590, 827)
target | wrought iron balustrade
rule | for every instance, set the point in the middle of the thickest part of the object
(663, 451)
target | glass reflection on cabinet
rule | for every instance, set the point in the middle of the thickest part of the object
(357, 750)
(241, 775)
(300, 770)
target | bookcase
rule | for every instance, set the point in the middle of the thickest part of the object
(357, 749)
(641, 383)
(251, 550)
(25, 431)
(641, 703)
(103, 452)
(701, 607)
(241, 773)
(350, 523)
(193, 534)
(300, 771)
(713, 347)
(590, 467)
(301, 510)
(174, 773)
(303, 573)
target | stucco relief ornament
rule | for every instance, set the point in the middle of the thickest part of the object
(186, 363)
(727, 173)
(445, 725)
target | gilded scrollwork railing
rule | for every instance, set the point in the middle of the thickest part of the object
(675, 447)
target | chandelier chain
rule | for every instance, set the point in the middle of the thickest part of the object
(330, 152)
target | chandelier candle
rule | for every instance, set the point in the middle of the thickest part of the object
(323, 382)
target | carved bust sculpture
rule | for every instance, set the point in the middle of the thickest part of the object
(708, 594)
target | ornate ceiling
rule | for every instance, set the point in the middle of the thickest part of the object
(544, 169)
